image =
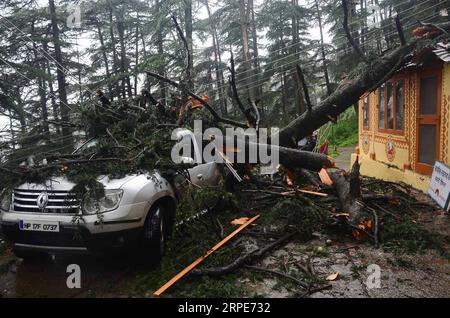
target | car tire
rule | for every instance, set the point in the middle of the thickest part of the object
(154, 235)
(29, 256)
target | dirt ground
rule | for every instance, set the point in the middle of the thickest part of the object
(421, 274)
(425, 275)
(402, 275)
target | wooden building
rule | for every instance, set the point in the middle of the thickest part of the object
(404, 125)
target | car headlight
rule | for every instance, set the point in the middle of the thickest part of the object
(110, 201)
(6, 201)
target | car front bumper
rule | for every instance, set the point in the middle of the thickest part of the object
(85, 233)
(70, 238)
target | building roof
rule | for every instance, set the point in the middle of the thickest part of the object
(442, 51)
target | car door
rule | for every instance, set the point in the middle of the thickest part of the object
(205, 174)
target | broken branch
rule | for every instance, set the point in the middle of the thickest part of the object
(305, 87)
(349, 35)
(216, 116)
(241, 107)
(186, 47)
(398, 25)
(244, 259)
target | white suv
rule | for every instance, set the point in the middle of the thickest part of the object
(136, 211)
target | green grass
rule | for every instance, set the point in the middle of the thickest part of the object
(343, 133)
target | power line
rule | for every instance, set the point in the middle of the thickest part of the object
(338, 43)
(44, 53)
(249, 86)
(289, 55)
(61, 67)
(26, 77)
(342, 38)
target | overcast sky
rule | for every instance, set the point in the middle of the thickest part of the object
(202, 14)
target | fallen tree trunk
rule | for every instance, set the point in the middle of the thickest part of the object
(373, 75)
(348, 189)
(288, 157)
(344, 97)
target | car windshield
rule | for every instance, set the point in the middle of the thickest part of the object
(86, 146)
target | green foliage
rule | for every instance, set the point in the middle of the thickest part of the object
(343, 133)
(406, 235)
(300, 214)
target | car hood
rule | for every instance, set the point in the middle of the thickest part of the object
(63, 184)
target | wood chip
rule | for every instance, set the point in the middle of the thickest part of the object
(332, 276)
(325, 177)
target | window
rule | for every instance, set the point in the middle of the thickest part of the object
(381, 112)
(400, 103)
(366, 111)
(392, 106)
(428, 119)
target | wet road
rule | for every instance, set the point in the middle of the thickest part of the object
(100, 276)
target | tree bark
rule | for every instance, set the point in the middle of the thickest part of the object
(188, 33)
(136, 58)
(60, 75)
(256, 69)
(123, 57)
(299, 104)
(55, 109)
(41, 85)
(348, 189)
(113, 48)
(160, 45)
(104, 56)
(322, 49)
(220, 81)
(345, 96)
(244, 23)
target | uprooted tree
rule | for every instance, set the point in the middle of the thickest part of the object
(136, 139)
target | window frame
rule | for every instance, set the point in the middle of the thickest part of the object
(364, 127)
(421, 167)
(393, 81)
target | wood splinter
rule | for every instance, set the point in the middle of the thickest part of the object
(202, 258)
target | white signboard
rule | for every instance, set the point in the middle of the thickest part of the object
(439, 188)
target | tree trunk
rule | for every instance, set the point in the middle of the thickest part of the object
(160, 45)
(55, 109)
(136, 61)
(114, 51)
(244, 23)
(363, 26)
(345, 96)
(348, 189)
(60, 75)
(11, 129)
(105, 57)
(322, 49)
(257, 91)
(299, 105)
(283, 94)
(220, 82)
(188, 34)
(41, 85)
(123, 58)
(20, 112)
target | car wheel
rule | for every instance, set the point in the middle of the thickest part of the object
(28, 256)
(154, 237)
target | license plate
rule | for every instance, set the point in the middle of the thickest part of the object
(42, 226)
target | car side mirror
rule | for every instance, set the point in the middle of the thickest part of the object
(187, 160)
